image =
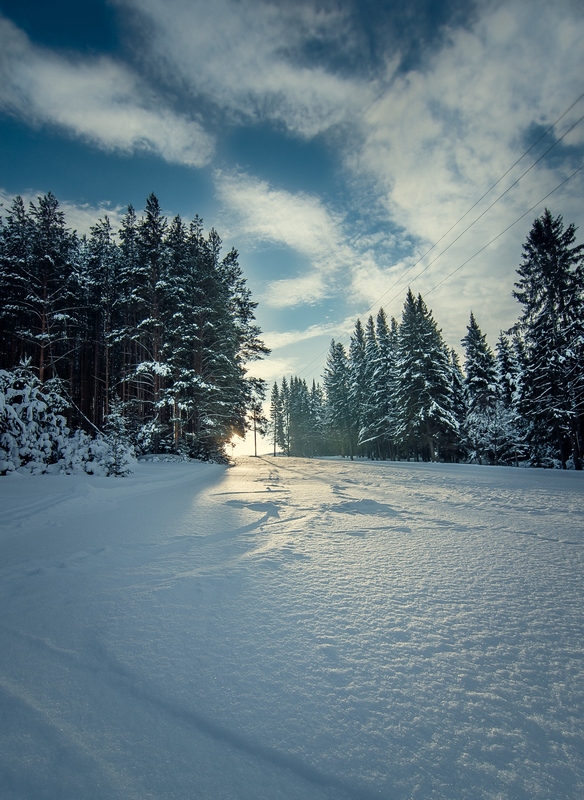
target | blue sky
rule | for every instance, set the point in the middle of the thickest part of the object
(331, 143)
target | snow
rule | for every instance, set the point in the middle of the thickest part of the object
(295, 629)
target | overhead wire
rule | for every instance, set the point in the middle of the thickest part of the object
(498, 236)
(500, 197)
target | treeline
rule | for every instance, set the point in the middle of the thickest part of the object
(399, 392)
(152, 316)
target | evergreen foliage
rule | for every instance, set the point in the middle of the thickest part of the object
(399, 392)
(426, 425)
(551, 291)
(155, 315)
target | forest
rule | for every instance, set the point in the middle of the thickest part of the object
(139, 340)
(147, 331)
(399, 392)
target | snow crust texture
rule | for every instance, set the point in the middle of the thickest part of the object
(295, 629)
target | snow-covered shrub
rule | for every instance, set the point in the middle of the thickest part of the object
(32, 431)
(34, 436)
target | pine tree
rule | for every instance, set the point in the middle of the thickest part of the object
(276, 417)
(357, 376)
(118, 450)
(385, 382)
(508, 386)
(338, 403)
(370, 430)
(459, 408)
(317, 420)
(426, 426)
(33, 430)
(284, 428)
(480, 385)
(551, 291)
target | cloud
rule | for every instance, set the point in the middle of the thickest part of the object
(299, 221)
(438, 136)
(277, 339)
(98, 99)
(272, 368)
(249, 58)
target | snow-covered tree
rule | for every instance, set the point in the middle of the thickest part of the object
(550, 290)
(276, 417)
(426, 426)
(338, 402)
(33, 431)
(480, 386)
(385, 382)
(357, 386)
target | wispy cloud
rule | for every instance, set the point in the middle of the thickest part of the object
(279, 339)
(438, 136)
(249, 58)
(99, 100)
(300, 221)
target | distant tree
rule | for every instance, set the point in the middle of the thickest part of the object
(385, 383)
(480, 386)
(459, 407)
(276, 417)
(358, 391)
(370, 429)
(338, 401)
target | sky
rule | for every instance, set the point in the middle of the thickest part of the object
(348, 150)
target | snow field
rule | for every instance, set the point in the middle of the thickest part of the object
(292, 628)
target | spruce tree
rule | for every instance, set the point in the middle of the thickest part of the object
(276, 417)
(385, 383)
(480, 385)
(358, 391)
(338, 401)
(550, 290)
(426, 425)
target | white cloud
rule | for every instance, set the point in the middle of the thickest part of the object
(98, 99)
(277, 339)
(247, 57)
(301, 222)
(437, 137)
(272, 368)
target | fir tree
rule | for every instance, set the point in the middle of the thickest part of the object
(385, 382)
(276, 417)
(551, 291)
(338, 403)
(480, 385)
(357, 386)
(426, 425)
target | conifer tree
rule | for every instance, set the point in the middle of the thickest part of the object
(338, 402)
(426, 426)
(357, 386)
(386, 382)
(480, 385)
(276, 417)
(551, 291)
(370, 429)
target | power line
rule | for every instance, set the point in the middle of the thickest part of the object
(498, 236)
(481, 215)
(530, 148)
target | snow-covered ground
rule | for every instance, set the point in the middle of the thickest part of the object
(292, 629)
